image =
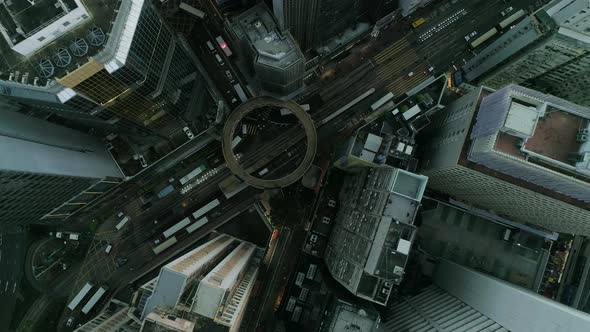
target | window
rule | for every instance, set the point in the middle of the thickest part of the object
(66, 23)
(41, 39)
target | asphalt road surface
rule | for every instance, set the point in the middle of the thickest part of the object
(12, 255)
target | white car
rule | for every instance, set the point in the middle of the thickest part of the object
(142, 161)
(471, 35)
(188, 132)
(506, 11)
(70, 321)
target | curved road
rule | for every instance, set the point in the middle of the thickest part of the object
(234, 120)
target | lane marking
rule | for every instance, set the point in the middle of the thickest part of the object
(14, 288)
(6, 288)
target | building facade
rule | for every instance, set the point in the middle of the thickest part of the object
(49, 171)
(548, 51)
(373, 231)
(276, 58)
(516, 152)
(314, 22)
(121, 69)
(407, 7)
(461, 299)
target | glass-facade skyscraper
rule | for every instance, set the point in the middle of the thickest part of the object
(121, 69)
(49, 171)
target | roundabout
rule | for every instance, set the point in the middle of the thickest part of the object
(229, 132)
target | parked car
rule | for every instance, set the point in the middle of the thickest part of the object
(229, 75)
(142, 161)
(188, 132)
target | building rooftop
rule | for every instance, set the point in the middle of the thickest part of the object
(52, 50)
(372, 235)
(553, 148)
(274, 47)
(348, 317)
(159, 322)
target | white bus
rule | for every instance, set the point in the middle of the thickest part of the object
(122, 223)
(240, 92)
(483, 38)
(223, 45)
(235, 142)
(192, 10)
(382, 101)
(206, 208)
(192, 174)
(511, 19)
(93, 300)
(80, 296)
(164, 245)
(172, 230)
(198, 224)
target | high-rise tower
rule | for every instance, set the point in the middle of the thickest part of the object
(313, 22)
(520, 153)
(48, 171)
(113, 65)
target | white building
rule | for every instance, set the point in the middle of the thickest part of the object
(210, 284)
(517, 152)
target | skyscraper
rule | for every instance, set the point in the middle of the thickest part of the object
(548, 51)
(276, 58)
(461, 299)
(517, 152)
(113, 65)
(409, 6)
(373, 231)
(48, 171)
(211, 283)
(313, 22)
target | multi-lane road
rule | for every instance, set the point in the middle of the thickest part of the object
(12, 254)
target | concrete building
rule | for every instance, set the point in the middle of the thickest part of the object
(407, 7)
(113, 319)
(373, 231)
(462, 299)
(210, 285)
(516, 152)
(314, 22)
(111, 65)
(163, 322)
(388, 138)
(49, 171)
(548, 51)
(345, 316)
(275, 56)
(504, 249)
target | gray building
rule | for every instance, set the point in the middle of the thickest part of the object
(275, 56)
(516, 152)
(461, 299)
(116, 66)
(373, 231)
(548, 51)
(49, 171)
(314, 22)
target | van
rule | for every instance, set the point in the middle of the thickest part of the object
(507, 234)
(108, 249)
(210, 46)
(219, 59)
